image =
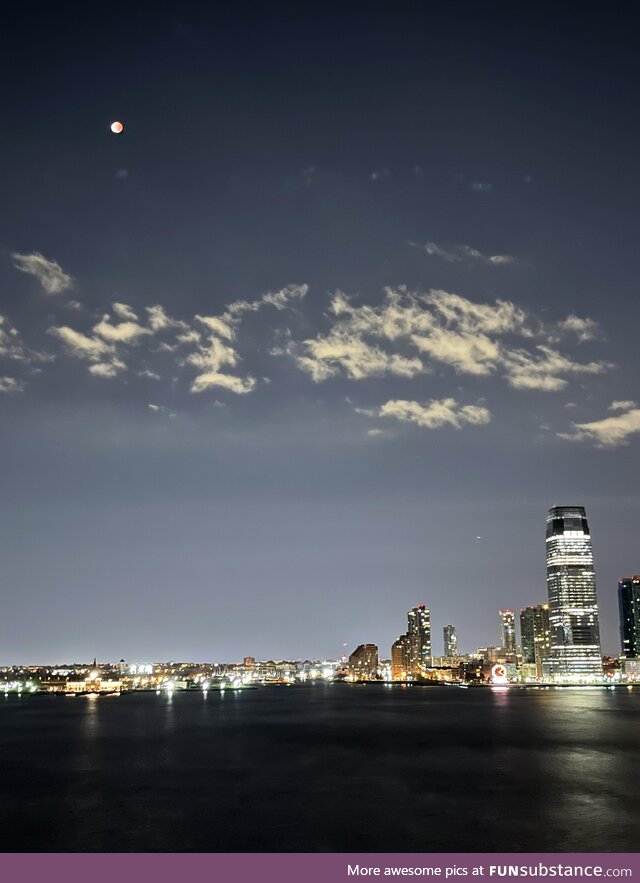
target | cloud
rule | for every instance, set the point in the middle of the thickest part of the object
(328, 356)
(279, 299)
(10, 384)
(123, 332)
(124, 312)
(161, 409)
(159, 319)
(459, 253)
(544, 371)
(609, 432)
(11, 344)
(239, 385)
(444, 328)
(584, 329)
(379, 174)
(81, 345)
(214, 323)
(107, 369)
(625, 405)
(436, 413)
(209, 359)
(49, 274)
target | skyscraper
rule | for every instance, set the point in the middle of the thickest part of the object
(573, 603)
(508, 634)
(629, 606)
(363, 662)
(419, 633)
(535, 635)
(450, 641)
(401, 658)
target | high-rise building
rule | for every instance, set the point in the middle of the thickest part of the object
(573, 603)
(450, 641)
(629, 606)
(419, 633)
(535, 634)
(363, 662)
(401, 658)
(508, 634)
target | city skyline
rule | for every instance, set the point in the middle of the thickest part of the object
(318, 334)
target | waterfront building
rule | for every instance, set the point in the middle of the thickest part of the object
(508, 634)
(535, 634)
(419, 633)
(575, 653)
(450, 641)
(629, 607)
(401, 659)
(363, 662)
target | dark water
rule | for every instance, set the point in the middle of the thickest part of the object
(324, 768)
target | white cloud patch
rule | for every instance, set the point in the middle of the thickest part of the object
(123, 311)
(584, 329)
(107, 369)
(610, 432)
(436, 413)
(281, 300)
(457, 254)
(444, 328)
(10, 384)
(11, 343)
(122, 332)
(81, 345)
(49, 274)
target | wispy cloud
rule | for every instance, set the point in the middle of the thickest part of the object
(444, 328)
(457, 254)
(436, 413)
(49, 274)
(11, 384)
(610, 432)
(11, 343)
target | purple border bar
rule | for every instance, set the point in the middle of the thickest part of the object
(303, 867)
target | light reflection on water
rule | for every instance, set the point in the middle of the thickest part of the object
(323, 768)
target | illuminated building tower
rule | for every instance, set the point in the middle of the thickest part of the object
(629, 606)
(401, 658)
(450, 641)
(419, 634)
(535, 635)
(573, 603)
(508, 634)
(363, 662)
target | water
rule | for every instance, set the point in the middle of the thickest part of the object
(324, 768)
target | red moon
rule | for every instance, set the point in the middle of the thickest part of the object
(117, 127)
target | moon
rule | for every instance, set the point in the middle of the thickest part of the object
(117, 127)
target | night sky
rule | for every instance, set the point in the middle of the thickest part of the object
(349, 304)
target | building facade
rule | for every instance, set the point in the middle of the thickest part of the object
(629, 607)
(450, 641)
(363, 663)
(508, 634)
(535, 635)
(575, 653)
(401, 659)
(419, 634)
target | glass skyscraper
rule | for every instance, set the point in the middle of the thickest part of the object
(419, 633)
(450, 641)
(535, 634)
(629, 605)
(575, 653)
(508, 634)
